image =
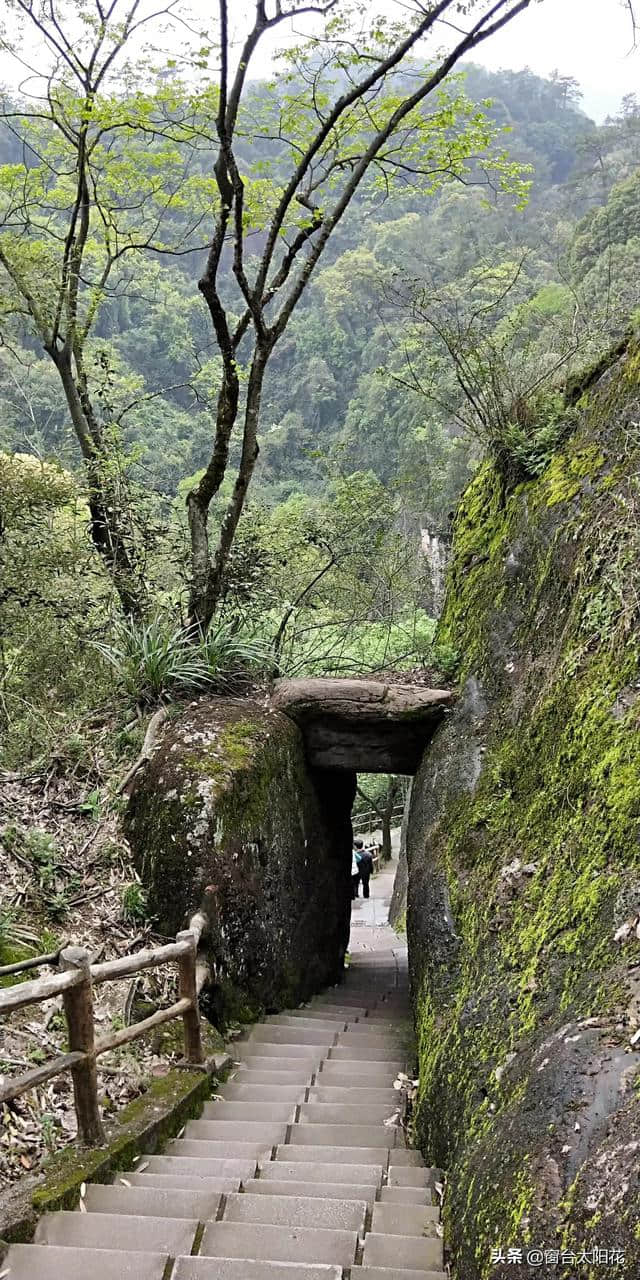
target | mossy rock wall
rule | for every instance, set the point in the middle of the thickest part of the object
(524, 861)
(228, 815)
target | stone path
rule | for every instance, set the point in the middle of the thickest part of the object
(294, 1172)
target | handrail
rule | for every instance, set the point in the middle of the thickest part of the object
(362, 821)
(24, 993)
(127, 966)
(75, 984)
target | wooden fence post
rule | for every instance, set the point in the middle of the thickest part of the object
(78, 1007)
(193, 1050)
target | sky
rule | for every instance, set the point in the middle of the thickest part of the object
(590, 40)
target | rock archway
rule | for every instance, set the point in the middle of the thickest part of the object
(244, 812)
(362, 726)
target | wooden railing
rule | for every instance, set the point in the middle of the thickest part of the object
(371, 819)
(75, 984)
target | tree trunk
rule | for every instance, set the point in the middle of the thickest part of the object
(109, 523)
(387, 818)
(208, 576)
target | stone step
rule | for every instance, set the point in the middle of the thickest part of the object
(287, 1051)
(329, 1010)
(399, 1029)
(296, 1211)
(355, 1072)
(406, 1195)
(333, 1025)
(113, 1231)
(345, 1094)
(341, 1135)
(408, 1176)
(234, 1092)
(347, 1113)
(267, 1033)
(404, 1156)
(264, 1061)
(268, 1135)
(30, 1262)
(198, 1167)
(258, 1241)
(151, 1202)
(333, 1155)
(364, 1053)
(322, 1172)
(382, 1049)
(372, 1026)
(243, 1269)
(405, 1220)
(384, 1016)
(357, 1007)
(324, 1190)
(254, 1111)
(182, 1181)
(358, 991)
(403, 1252)
(393, 1273)
(201, 1149)
(370, 1079)
(344, 997)
(271, 1075)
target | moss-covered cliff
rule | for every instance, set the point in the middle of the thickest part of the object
(229, 815)
(524, 860)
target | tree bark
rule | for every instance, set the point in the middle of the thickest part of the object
(387, 817)
(208, 575)
(109, 516)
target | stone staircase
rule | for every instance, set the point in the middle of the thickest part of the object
(293, 1173)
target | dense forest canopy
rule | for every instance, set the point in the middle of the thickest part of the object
(491, 253)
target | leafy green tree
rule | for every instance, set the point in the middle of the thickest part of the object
(104, 177)
(346, 118)
(100, 179)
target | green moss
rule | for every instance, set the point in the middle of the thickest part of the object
(563, 478)
(163, 1109)
(543, 610)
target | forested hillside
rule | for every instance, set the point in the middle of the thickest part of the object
(340, 388)
(431, 316)
(259, 330)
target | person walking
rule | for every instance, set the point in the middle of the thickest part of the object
(365, 867)
(355, 872)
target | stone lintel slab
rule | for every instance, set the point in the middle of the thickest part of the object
(366, 725)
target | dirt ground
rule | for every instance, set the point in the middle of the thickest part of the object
(66, 876)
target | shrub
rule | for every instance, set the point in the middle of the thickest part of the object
(155, 661)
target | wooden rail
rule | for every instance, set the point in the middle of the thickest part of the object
(371, 819)
(75, 984)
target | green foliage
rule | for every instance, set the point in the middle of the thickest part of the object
(525, 445)
(232, 657)
(154, 660)
(134, 903)
(54, 883)
(14, 935)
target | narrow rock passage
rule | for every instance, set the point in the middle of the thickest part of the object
(294, 1172)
